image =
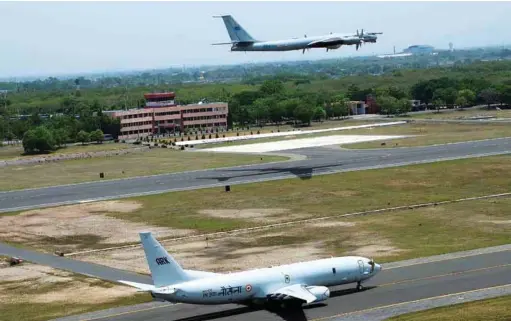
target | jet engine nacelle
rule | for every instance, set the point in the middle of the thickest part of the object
(320, 292)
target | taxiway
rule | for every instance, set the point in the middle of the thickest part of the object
(400, 283)
(320, 161)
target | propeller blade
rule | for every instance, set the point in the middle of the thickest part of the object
(303, 52)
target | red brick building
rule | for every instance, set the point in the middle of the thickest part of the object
(161, 114)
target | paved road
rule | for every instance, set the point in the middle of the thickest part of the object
(397, 283)
(63, 263)
(319, 161)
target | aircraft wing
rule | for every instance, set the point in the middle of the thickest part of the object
(297, 291)
(327, 41)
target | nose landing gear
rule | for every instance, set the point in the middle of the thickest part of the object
(360, 287)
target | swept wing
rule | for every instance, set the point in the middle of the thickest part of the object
(297, 291)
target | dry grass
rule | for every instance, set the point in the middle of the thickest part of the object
(154, 161)
(16, 152)
(431, 133)
(35, 292)
(209, 210)
(390, 236)
(387, 237)
(74, 227)
(496, 309)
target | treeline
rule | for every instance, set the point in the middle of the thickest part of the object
(43, 139)
(77, 116)
(284, 98)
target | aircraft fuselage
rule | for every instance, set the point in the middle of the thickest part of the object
(296, 44)
(253, 285)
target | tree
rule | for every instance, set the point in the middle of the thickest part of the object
(403, 106)
(504, 92)
(61, 136)
(461, 101)
(97, 136)
(466, 97)
(83, 137)
(388, 104)
(271, 87)
(319, 113)
(489, 96)
(447, 95)
(438, 103)
(304, 113)
(289, 106)
(38, 140)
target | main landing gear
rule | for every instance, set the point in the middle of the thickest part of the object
(360, 287)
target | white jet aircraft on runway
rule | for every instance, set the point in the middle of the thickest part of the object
(241, 40)
(297, 283)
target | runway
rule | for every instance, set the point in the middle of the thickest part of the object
(320, 161)
(398, 283)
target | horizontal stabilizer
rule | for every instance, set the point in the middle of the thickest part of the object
(142, 287)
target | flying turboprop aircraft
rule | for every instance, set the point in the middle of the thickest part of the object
(241, 40)
(286, 285)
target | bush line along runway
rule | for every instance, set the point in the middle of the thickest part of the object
(320, 161)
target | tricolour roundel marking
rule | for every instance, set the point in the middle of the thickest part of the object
(248, 288)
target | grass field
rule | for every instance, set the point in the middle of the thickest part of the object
(154, 161)
(33, 292)
(431, 133)
(496, 309)
(463, 114)
(16, 152)
(410, 233)
(328, 194)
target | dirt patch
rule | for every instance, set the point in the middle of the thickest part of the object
(332, 224)
(377, 250)
(405, 183)
(498, 222)
(231, 253)
(345, 193)
(79, 226)
(262, 215)
(32, 283)
(27, 271)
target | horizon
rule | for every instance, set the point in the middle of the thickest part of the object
(132, 48)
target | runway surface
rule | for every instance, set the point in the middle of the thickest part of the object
(399, 282)
(319, 161)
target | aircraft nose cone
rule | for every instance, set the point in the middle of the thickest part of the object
(377, 267)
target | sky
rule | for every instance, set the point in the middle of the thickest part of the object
(56, 38)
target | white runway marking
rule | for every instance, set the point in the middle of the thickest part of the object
(300, 143)
(281, 134)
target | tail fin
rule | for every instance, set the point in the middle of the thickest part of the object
(235, 30)
(164, 269)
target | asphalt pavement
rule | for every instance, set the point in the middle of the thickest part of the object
(325, 160)
(396, 284)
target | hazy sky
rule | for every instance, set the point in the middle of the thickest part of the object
(51, 38)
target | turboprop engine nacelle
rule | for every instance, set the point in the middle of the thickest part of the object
(320, 292)
(334, 47)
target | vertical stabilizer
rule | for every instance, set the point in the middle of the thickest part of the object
(235, 30)
(164, 269)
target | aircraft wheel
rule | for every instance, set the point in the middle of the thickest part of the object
(360, 287)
